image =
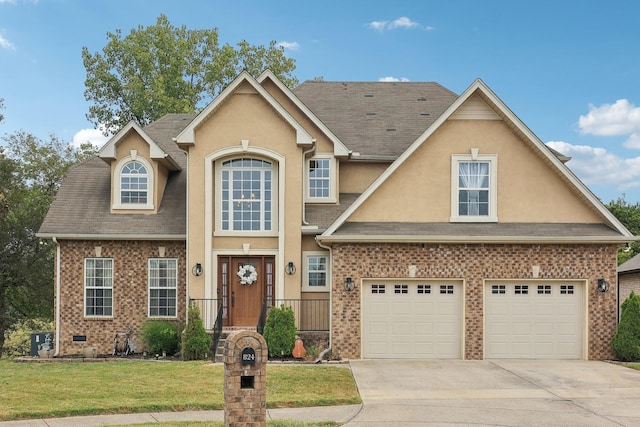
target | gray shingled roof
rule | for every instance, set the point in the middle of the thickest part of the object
(323, 215)
(81, 206)
(507, 230)
(630, 266)
(376, 118)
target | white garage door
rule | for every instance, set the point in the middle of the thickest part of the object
(412, 320)
(535, 320)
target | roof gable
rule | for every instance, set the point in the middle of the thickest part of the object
(461, 108)
(108, 151)
(187, 136)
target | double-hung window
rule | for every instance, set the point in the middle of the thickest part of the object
(316, 272)
(321, 179)
(98, 287)
(247, 197)
(163, 287)
(474, 196)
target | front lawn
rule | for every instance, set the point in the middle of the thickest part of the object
(42, 390)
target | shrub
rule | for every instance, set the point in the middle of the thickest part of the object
(18, 338)
(280, 331)
(626, 342)
(161, 336)
(196, 343)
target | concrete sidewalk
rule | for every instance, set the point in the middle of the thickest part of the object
(340, 414)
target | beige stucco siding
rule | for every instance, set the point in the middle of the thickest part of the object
(245, 115)
(355, 177)
(528, 188)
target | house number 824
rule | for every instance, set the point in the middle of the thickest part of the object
(248, 356)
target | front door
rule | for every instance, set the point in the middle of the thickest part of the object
(244, 282)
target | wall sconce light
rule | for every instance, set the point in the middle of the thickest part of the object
(603, 285)
(290, 268)
(197, 269)
(348, 284)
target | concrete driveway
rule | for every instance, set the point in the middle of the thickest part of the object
(496, 393)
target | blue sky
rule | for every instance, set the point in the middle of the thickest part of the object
(569, 70)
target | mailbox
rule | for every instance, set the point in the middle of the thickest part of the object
(245, 379)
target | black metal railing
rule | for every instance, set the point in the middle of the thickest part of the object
(312, 315)
(262, 318)
(217, 330)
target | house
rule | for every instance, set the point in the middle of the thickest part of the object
(398, 220)
(628, 279)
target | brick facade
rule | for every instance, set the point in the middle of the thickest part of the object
(628, 282)
(473, 263)
(130, 291)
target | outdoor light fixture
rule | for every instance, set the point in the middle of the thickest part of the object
(603, 285)
(348, 284)
(197, 269)
(290, 268)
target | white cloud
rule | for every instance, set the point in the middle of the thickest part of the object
(393, 79)
(402, 22)
(621, 118)
(597, 166)
(93, 136)
(6, 44)
(289, 45)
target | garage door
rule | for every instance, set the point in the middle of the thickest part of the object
(411, 320)
(534, 320)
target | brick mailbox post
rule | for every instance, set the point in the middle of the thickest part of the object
(245, 380)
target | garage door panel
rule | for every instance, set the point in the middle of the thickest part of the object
(544, 322)
(421, 322)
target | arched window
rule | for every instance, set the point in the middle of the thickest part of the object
(134, 184)
(247, 195)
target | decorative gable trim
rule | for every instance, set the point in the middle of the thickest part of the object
(339, 149)
(187, 136)
(108, 151)
(479, 88)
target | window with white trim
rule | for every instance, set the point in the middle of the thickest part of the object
(474, 197)
(316, 272)
(98, 287)
(133, 184)
(247, 195)
(321, 179)
(163, 287)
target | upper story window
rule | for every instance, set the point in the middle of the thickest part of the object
(321, 179)
(134, 184)
(98, 287)
(474, 197)
(247, 195)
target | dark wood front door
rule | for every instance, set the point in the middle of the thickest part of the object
(244, 282)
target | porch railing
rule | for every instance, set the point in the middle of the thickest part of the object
(312, 315)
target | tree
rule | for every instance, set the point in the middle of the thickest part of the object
(629, 215)
(164, 69)
(626, 342)
(31, 171)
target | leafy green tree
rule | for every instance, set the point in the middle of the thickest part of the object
(164, 69)
(626, 342)
(629, 215)
(31, 171)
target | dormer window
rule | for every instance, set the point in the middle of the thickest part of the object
(133, 184)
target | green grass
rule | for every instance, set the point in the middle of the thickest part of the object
(635, 366)
(270, 423)
(41, 390)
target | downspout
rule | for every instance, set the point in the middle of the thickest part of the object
(330, 292)
(304, 181)
(57, 280)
